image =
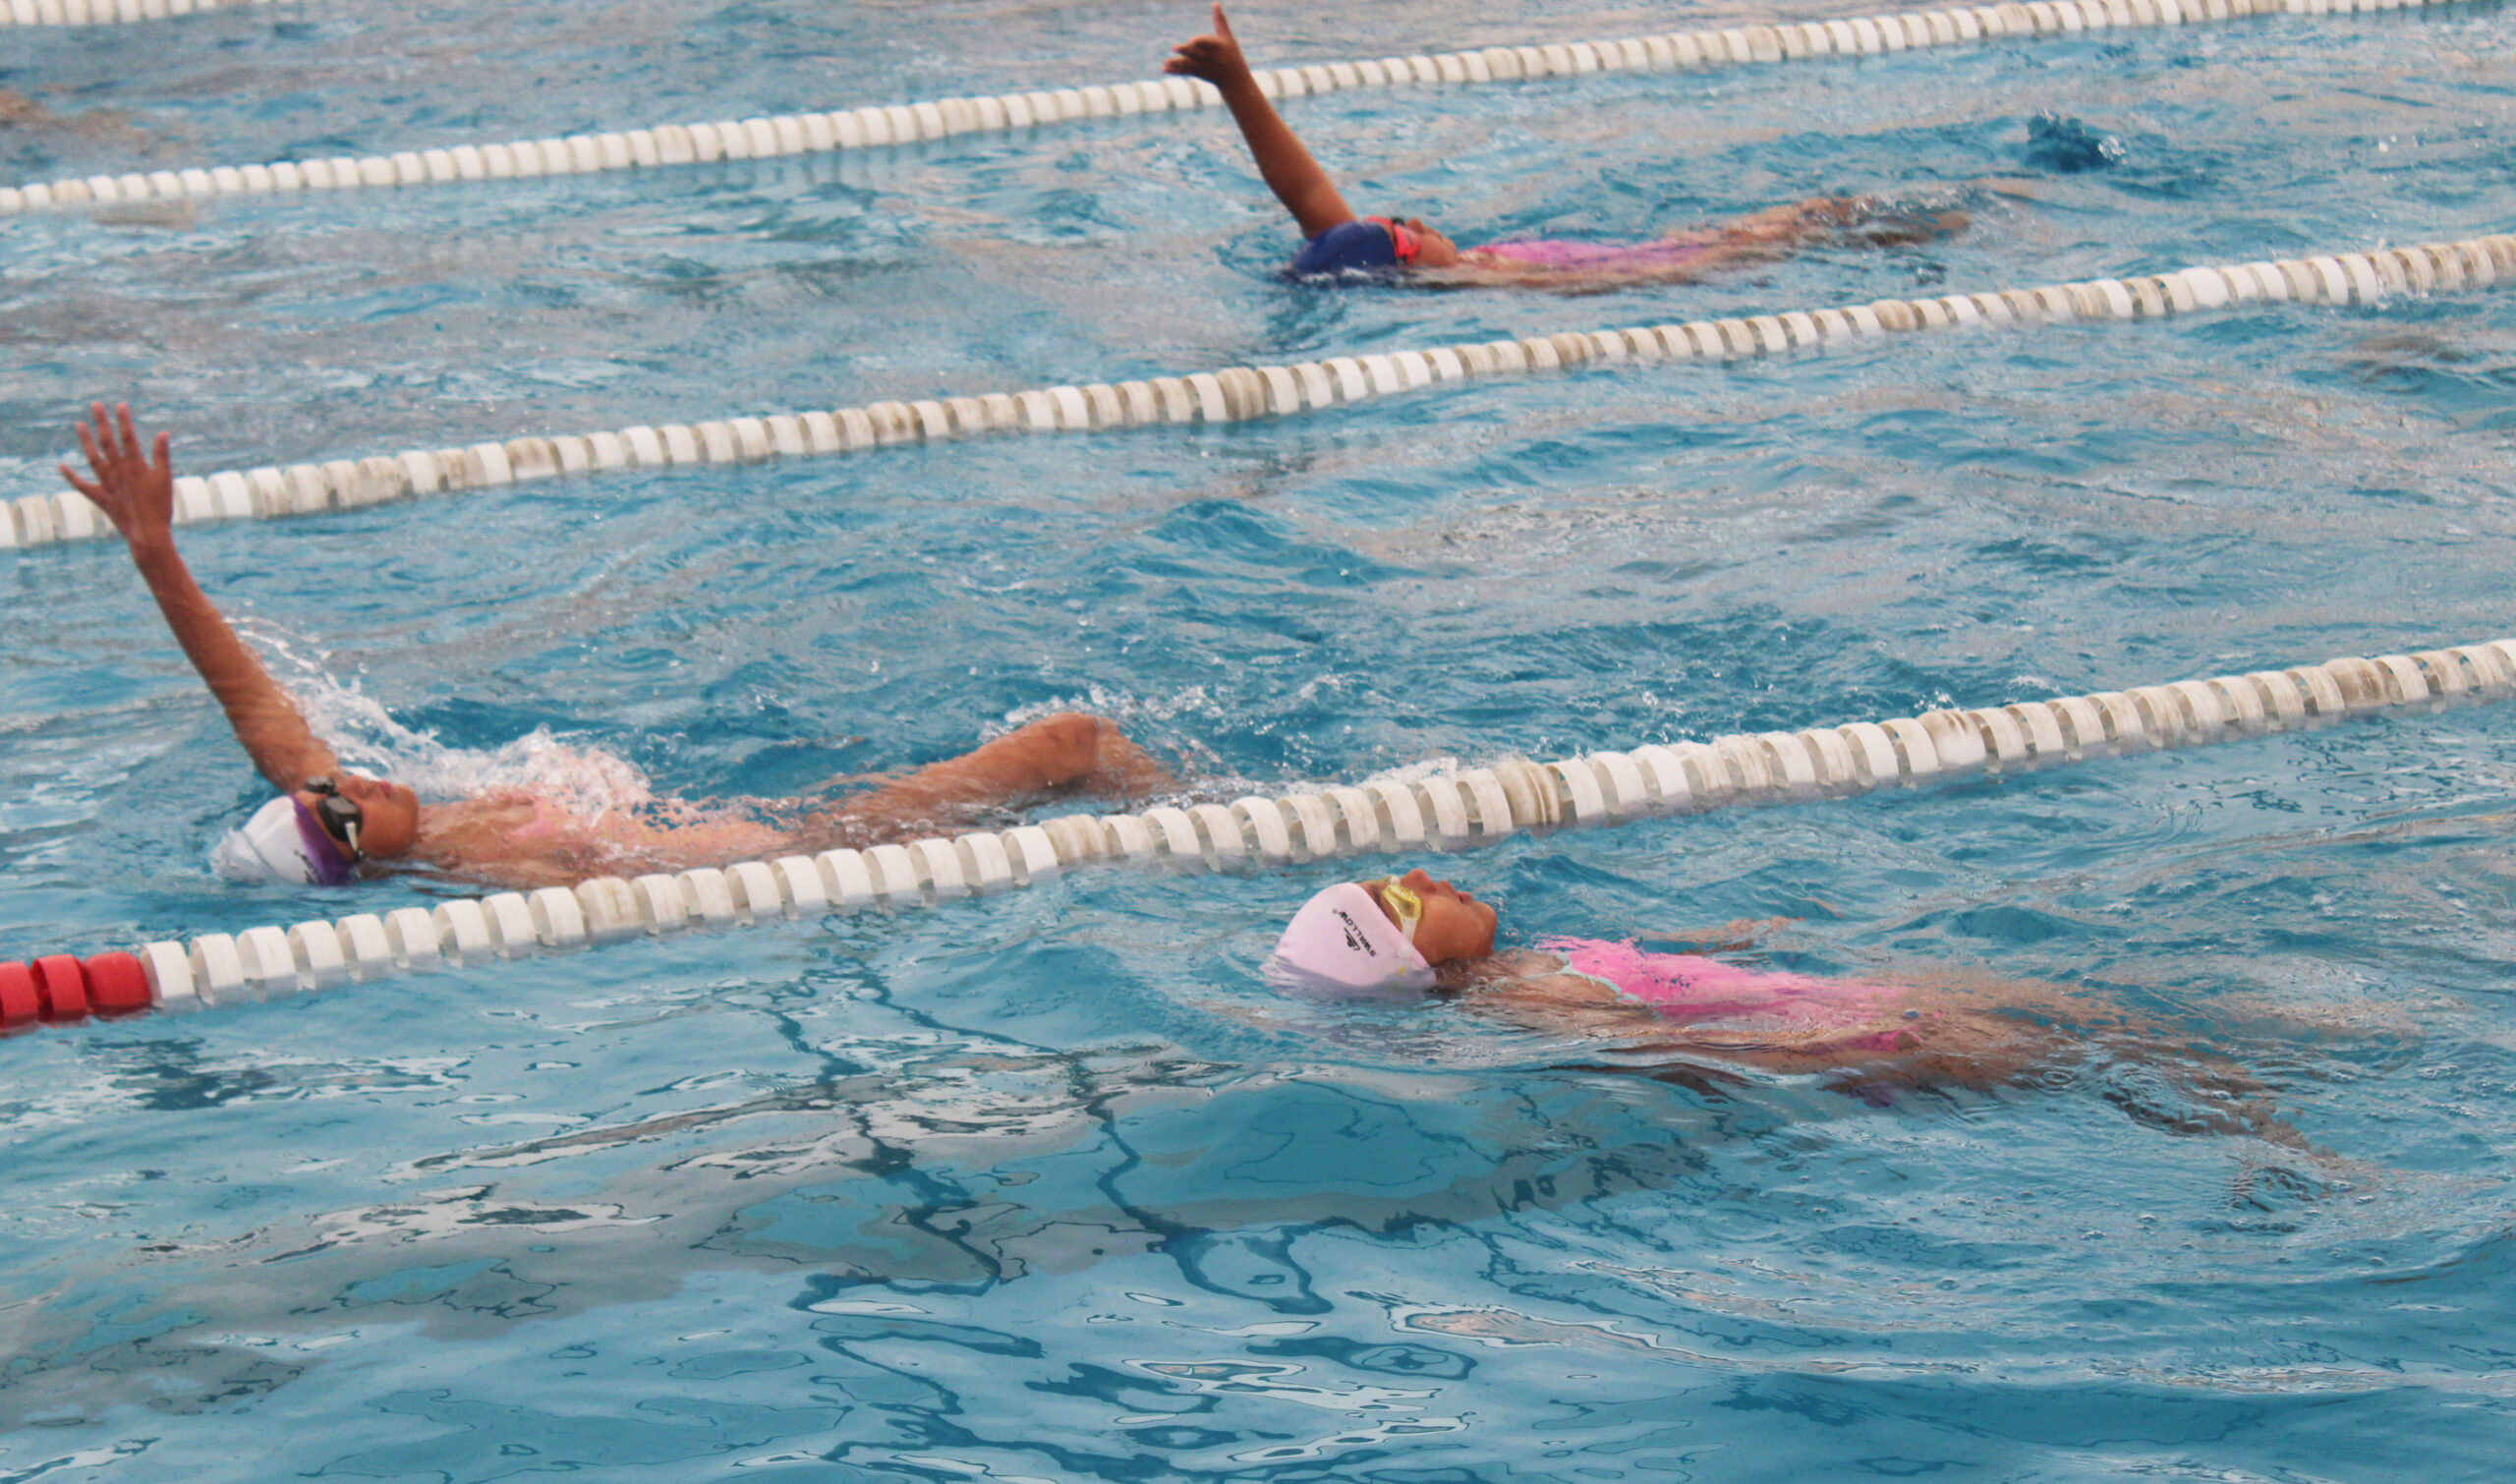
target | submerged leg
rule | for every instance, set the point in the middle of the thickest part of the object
(1779, 232)
(1982, 1038)
(2183, 1089)
(1863, 218)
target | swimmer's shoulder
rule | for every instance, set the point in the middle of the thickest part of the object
(1531, 974)
(1516, 963)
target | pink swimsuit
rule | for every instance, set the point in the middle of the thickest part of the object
(1587, 256)
(1691, 990)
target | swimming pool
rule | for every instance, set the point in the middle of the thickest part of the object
(1051, 1187)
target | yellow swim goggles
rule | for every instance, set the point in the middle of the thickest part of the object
(1401, 901)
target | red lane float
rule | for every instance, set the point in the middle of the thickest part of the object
(60, 989)
(116, 984)
(62, 982)
(20, 1005)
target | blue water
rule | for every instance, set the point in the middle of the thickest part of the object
(1051, 1187)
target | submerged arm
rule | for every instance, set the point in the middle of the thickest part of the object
(1064, 751)
(136, 493)
(1729, 938)
(1286, 167)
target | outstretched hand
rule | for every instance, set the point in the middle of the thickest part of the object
(135, 488)
(1729, 938)
(1214, 57)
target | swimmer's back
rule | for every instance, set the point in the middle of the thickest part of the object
(1694, 991)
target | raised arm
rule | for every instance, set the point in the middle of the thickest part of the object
(1288, 168)
(136, 493)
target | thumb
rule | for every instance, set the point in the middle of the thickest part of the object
(1222, 27)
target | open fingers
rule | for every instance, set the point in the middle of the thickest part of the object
(129, 436)
(165, 448)
(96, 438)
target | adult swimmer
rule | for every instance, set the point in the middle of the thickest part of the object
(1339, 242)
(1412, 935)
(327, 821)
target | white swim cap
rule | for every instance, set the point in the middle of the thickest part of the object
(1341, 943)
(281, 843)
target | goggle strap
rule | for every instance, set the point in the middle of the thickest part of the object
(342, 819)
(1408, 908)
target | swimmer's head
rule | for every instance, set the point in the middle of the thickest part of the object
(1433, 250)
(1380, 936)
(1444, 923)
(1375, 245)
(319, 833)
(391, 814)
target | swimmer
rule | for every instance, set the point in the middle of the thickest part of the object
(1338, 242)
(327, 821)
(1411, 935)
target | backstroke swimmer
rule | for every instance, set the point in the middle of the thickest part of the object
(1411, 935)
(327, 821)
(1338, 242)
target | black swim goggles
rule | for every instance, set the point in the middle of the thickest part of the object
(340, 817)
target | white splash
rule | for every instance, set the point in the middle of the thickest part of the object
(585, 780)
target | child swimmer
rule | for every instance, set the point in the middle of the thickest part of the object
(325, 823)
(1338, 242)
(1411, 935)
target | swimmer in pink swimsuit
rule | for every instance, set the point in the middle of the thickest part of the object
(1337, 243)
(1671, 1013)
(1713, 998)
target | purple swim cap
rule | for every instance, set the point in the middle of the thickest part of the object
(282, 842)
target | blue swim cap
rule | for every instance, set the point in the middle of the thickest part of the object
(1365, 246)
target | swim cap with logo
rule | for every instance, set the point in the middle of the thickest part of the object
(282, 842)
(1341, 943)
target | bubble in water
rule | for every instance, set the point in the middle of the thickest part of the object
(2069, 147)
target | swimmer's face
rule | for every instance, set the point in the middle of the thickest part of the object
(1454, 924)
(1432, 249)
(391, 812)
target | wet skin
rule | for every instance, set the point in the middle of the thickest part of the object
(1455, 923)
(391, 810)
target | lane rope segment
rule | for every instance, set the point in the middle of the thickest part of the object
(1757, 44)
(1446, 812)
(1240, 393)
(109, 12)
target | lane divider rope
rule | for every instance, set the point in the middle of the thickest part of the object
(1240, 393)
(909, 123)
(1446, 812)
(108, 12)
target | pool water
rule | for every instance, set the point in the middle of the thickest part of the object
(1052, 1186)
